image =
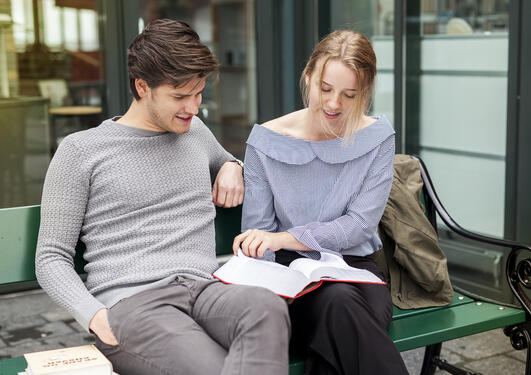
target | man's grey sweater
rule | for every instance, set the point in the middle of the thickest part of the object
(141, 202)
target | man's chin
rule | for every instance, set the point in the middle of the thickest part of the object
(180, 128)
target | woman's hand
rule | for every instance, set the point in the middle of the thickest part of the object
(255, 242)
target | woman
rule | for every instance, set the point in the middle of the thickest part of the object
(317, 180)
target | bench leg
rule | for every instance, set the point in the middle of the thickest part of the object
(521, 339)
(428, 365)
(433, 360)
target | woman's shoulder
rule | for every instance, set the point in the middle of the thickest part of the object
(289, 124)
(277, 139)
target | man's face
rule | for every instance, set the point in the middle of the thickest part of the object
(171, 109)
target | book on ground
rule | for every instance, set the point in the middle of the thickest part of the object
(79, 360)
(300, 277)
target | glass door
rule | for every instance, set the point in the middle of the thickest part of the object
(456, 119)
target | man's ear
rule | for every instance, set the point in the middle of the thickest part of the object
(142, 87)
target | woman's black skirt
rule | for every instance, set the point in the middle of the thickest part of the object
(341, 328)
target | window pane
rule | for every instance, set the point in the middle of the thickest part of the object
(52, 19)
(89, 24)
(22, 17)
(463, 108)
(70, 24)
(456, 100)
(52, 89)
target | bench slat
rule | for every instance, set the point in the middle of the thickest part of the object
(458, 299)
(12, 366)
(442, 325)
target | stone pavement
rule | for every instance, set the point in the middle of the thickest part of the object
(31, 322)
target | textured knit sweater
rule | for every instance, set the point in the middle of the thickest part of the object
(141, 202)
(329, 195)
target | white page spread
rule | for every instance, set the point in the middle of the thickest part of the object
(289, 282)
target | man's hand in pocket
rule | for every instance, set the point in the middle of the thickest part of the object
(99, 324)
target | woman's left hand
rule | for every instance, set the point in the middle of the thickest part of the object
(255, 242)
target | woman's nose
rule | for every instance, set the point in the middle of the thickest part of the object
(334, 102)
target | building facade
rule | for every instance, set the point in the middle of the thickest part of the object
(454, 77)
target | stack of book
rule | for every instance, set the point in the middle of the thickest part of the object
(79, 360)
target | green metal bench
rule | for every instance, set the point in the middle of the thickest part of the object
(410, 329)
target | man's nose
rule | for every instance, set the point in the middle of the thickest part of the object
(192, 105)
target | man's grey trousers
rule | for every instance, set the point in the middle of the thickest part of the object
(200, 327)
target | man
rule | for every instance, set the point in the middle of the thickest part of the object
(137, 191)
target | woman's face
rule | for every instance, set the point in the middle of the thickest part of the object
(330, 99)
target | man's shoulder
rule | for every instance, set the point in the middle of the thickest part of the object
(198, 126)
(88, 136)
(82, 142)
(199, 131)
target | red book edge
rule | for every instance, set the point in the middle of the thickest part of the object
(317, 285)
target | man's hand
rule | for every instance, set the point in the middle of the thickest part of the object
(255, 242)
(228, 187)
(99, 324)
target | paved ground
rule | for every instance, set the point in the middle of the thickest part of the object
(31, 322)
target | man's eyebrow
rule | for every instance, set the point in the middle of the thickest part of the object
(326, 83)
(186, 95)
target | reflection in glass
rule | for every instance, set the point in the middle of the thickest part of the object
(462, 90)
(458, 125)
(375, 20)
(464, 17)
(24, 150)
(53, 86)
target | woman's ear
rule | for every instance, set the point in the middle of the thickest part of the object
(307, 80)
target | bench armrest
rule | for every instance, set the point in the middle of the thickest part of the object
(518, 273)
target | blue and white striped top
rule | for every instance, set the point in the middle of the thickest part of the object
(329, 195)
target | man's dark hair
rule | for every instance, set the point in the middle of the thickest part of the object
(168, 52)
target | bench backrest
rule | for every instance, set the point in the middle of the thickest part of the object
(19, 228)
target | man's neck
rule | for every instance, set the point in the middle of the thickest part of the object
(136, 118)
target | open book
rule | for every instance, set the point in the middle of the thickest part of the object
(79, 360)
(300, 277)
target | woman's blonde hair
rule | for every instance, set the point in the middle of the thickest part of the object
(355, 51)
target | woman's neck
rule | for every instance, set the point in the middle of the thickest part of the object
(316, 130)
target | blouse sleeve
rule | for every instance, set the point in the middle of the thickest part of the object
(363, 213)
(258, 209)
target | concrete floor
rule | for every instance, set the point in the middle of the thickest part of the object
(31, 322)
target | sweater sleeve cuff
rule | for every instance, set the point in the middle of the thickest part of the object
(85, 311)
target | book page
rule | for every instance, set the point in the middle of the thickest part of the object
(273, 276)
(344, 274)
(307, 265)
(332, 267)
